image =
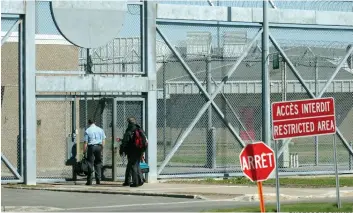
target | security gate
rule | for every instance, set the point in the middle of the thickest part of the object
(125, 107)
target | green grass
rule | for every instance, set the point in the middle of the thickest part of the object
(228, 152)
(298, 207)
(313, 182)
(195, 153)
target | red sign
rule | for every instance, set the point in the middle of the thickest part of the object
(257, 161)
(303, 118)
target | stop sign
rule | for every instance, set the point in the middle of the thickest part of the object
(257, 161)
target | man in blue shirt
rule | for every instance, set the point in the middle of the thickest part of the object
(93, 145)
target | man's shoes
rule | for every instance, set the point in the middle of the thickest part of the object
(126, 184)
(136, 185)
(88, 184)
(98, 182)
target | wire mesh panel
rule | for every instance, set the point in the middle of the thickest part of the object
(315, 60)
(207, 142)
(124, 109)
(318, 5)
(217, 49)
(53, 137)
(122, 54)
(9, 100)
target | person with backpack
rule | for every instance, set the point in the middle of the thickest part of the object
(134, 145)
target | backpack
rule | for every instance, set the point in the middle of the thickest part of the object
(139, 139)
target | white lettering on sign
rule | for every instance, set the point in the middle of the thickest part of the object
(287, 110)
(325, 125)
(257, 161)
(288, 129)
(316, 107)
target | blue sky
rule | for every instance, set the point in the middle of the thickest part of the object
(45, 24)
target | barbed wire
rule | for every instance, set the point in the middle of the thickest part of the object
(319, 5)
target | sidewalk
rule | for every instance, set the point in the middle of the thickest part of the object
(195, 191)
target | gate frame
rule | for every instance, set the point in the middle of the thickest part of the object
(197, 21)
(114, 131)
(26, 123)
(149, 19)
(72, 99)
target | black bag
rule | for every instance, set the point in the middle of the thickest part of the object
(82, 167)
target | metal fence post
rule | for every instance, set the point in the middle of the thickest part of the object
(73, 135)
(30, 126)
(149, 57)
(165, 110)
(338, 199)
(114, 148)
(210, 155)
(266, 106)
(316, 93)
(284, 160)
(350, 158)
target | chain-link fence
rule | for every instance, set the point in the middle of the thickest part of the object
(318, 5)
(122, 54)
(316, 61)
(197, 143)
(210, 146)
(10, 147)
(213, 144)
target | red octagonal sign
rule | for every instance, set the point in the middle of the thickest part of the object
(257, 161)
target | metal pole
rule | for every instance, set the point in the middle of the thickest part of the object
(20, 97)
(114, 132)
(30, 125)
(277, 180)
(149, 22)
(284, 98)
(218, 33)
(86, 110)
(266, 107)
(165, 111)
(210, 156)
(338, 199)
(73, 133)
(285, 81)
(350, 158)
(316, 93)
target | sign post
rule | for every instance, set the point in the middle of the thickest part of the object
(303, 118)
(257, 162)
(338, 199)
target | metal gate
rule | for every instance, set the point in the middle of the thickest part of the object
(125, 107)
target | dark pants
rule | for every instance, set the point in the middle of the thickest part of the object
(133, 169)
(94, 157)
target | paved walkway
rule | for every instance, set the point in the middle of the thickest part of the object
(196, 191)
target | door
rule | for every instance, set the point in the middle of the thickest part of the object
(126, 107)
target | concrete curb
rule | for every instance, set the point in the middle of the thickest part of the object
(284, 197)
(186, 196)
